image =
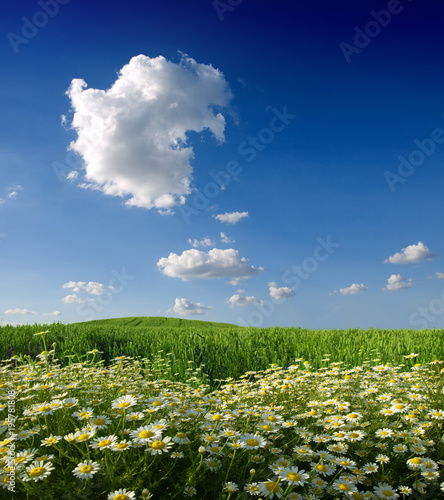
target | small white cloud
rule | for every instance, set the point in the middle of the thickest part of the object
(72, 175)
(231, 217)
(12, 193)
(243, 300)
(353, 289)
(17, 310)
(185, 307)
(75, 285)
(397, 282)
(205, 242)
(72, 299)
(133, 137)
(55, 313)
(280, 293)
(225, 239)
(437, 276)
(217, 263)
(334, 292)
(412, 253)
(92, 287)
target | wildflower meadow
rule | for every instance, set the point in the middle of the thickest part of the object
(131, 428)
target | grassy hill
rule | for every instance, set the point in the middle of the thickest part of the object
(155, 322)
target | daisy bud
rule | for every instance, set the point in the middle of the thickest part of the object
(252, 472)
(202, 449)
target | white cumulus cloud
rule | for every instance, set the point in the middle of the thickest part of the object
(353, 289)
(133, 136)
(231, 217)
(437, 276)
(280, 293)
(17, 310)
(397, 282)
(204, 242)
(225, 239)
(72, 299)
(412, 253)
(184, 307)
(55, 313)
(243, 300)
(92, 287)
(216, 263)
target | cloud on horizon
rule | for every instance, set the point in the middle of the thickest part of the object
(185, 307)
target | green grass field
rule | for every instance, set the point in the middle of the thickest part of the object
(133, 408)
(224, 350)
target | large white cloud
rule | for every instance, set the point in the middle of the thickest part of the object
(397, 282)
(216, 263)
(184, 307)
(133, 136)
(412, 253)
(231, 217)
(243, 300)
(353, 289)
(280, 293)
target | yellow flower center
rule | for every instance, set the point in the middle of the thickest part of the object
(416, 460)
(37, 471)
(321, 467)
(121, 497)
(121, 446)
(217, 417)
(157, 403)
(293, 476)
(51, 440)
(82, 437)
(85, 469)
(158, 445)
(387, 493)
(344, 487)
(44, 408)
(125, 404)
(252, 442)
(104, 442)
(99, 421)
(272, 419)
(272, 487)
(354, 435)
(146, 434)
(181, 435)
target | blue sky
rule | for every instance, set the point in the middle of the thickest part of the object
(259, 163)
